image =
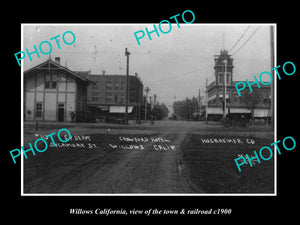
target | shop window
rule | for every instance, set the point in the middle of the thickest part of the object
(108, 98)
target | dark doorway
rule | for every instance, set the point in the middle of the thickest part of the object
(61, 112)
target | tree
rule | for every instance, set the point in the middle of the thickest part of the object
(160, 111)
(184, 108)
(251, 100)
(177, 107)
(164, 110)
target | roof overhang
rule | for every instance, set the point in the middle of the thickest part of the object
(51, 65)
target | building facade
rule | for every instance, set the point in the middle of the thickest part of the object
(234, 105)
(54, 93)
(107, 95)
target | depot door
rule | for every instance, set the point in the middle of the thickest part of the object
(61, 112)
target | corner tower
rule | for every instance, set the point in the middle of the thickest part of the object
(221, 61)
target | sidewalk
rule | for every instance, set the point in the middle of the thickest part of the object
(44, 124)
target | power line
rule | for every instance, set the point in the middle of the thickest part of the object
(246, 41)
(210, 77)
(239, 38)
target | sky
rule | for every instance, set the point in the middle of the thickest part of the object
(174, 65)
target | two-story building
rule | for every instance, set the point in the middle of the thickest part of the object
(234, 104)
(53, 93)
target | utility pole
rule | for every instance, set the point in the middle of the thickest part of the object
(139, 120)
(127, 86)
(139, 104)
(206, 103)
(147, 89)
(225, 78)
(272, 72)
(151, 105)
(223, 40)
(199, 102)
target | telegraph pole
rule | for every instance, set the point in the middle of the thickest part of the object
(151, 105)
(272, 72)
(127, 86)
(139, 90)
(147, 89)
(206, 103)
(225, 78)
(199, 102)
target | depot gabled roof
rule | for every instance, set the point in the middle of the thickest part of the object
(51, 65)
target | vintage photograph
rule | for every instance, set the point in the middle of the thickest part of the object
(157, 116)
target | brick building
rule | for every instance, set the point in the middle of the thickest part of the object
(234, 103)
(107, 96)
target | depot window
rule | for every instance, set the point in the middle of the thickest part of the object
(38, 110)
(50, 81)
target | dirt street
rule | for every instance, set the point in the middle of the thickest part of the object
(156, 167)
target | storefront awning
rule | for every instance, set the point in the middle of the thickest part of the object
(103, 108)
(120, 109)
(221, 96)
(240, 110)
(213, 110)
(212, 97)
(262, 112)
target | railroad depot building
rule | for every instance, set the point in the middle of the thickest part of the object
(107, 95)
(53, 93)
(234, 104)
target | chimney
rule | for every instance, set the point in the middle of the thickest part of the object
(57, 60)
